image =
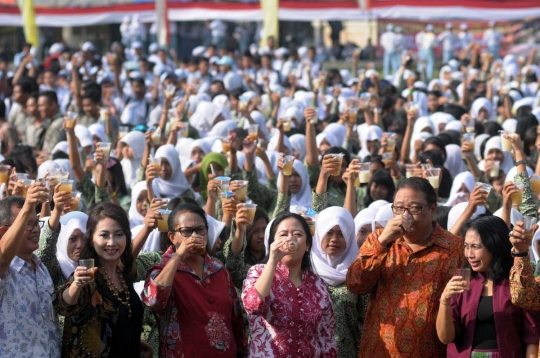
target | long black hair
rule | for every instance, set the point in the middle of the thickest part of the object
(381, 177)
(97, 213)
(494, 235)
(248, 257)
(306, 260)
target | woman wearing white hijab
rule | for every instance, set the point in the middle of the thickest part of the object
(298, 143)
(139, 204)
(286, 143)
(215, 228)
(98, 133)
(493, 151)
(205, 117)
(298, 187)
(171, 181)
(367, 137)
(482, 110)
(131, 151)
(334, 249)
(46, 167)
(462, 186)
(535, 252)
(454, 162)
(458, 210)
(70, 244)
(383, 215)
(363, 224)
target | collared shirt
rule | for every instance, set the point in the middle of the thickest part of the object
(524, 287)
(514, 326)
(198, 317)
(34, 136)
(405, 287)
(28, 322)
(387, 41)
(54, 133)
(448, 39)
(492, 38)
(291, 321)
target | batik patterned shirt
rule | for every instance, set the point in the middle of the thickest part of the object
(405, 287)
(292, 322)
(28, 323)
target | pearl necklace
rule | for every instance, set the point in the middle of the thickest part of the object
(115, 290)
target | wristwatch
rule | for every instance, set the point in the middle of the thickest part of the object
(523, 161)
(519, 254)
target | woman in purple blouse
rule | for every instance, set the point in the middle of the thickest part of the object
(482, 321)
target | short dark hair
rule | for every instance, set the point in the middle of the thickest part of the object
(6, 209)
(50, 95)
(26, 85)
(186, 207)
(306, 260)
(338, 150)
(435, 141)
(494, 235)
(164, 241)
(139, 81)
(421, 185)
(441, 215)
(97, 213)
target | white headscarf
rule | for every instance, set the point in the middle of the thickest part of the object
(136, 141)
(222, 128)
(177, 184)
(98, 130)
(439, 118)
(152, 243)
(135, 218)
(45, 167)
(535, 255)
(480, 103)
(454, 126)
(478, 143)
(369, 134)
(204, 145)
(333, 269)
(495, 143)
(383, 215)
(298, 142)
(84, 136)
(515, 215)
(329, 137)
(510, 124)
(62, 146)
(453, 161)
(286, 142)
(78, 221)
(214, 230)
(462, 178)
(364, 217)
(378, 204)
(512, 173)
(303, 197)
(267, 236)
(259, 119)
(338, 130)
(204, 117)
(458, 209)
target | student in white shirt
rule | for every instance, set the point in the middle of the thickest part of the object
(493, 39)
(427, 50)
(465, 37)
(448, 40)
(135, 108)
(388, 44)
(400, 48)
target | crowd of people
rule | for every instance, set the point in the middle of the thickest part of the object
(451, 42)
(258, 204)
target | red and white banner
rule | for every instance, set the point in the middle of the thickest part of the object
(289, 10)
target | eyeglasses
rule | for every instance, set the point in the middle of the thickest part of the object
(31, 225)
(188, 231)
(473, 247)
(413, 210)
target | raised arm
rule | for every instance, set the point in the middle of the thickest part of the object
(349, 178)
(11, 235)
(477, 198)
(312, 154)
(412, 115)
(73, 151)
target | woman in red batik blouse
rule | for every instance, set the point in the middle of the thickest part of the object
(289, 308)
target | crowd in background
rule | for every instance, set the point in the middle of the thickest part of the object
(258, 203)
